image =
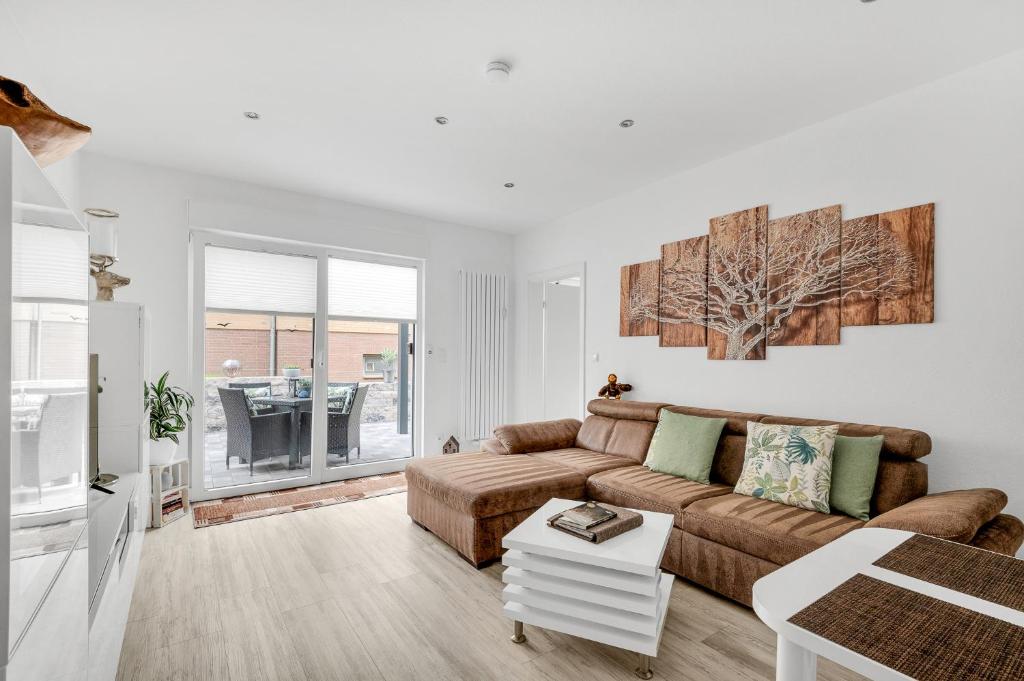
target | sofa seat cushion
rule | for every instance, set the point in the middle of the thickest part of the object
(583, 460)
(639, 487)
(766, 529)
(483, 485)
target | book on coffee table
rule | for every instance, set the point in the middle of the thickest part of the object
(587, 515)
(622, 520)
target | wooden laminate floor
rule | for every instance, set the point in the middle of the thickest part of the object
(356, 591)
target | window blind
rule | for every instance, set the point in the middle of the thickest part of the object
(372, 290)
(49, 263)
(260, 282)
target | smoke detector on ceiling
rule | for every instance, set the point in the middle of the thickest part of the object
(498, 71)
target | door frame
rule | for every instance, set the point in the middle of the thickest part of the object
(576, 269)
(319, 472)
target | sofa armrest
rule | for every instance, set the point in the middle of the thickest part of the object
(493, 446)
(1003, 534)
(956, 515)
(539, 436)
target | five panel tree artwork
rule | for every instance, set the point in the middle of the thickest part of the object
(795, 280)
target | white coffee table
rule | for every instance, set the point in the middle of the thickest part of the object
(785, 592)
(612, 593)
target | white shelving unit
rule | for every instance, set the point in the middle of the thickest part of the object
(171, 500)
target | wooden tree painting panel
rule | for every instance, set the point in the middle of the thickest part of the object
(860, 240)
(638, 299)
(888, 268)
(737, 291)
(914, 230)
(682, 314)
(804, 278)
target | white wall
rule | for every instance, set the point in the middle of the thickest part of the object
(153, 251)
(958, 142)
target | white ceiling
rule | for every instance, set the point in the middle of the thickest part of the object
(348, 90)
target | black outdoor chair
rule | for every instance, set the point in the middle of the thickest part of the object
(252, 438)
(342, 428)
(260, 408)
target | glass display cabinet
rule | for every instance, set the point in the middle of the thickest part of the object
(44, 288)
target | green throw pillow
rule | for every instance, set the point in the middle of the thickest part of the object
(684, 446)
(854, 467)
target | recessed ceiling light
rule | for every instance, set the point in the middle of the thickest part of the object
(252, 115)
(498, 71)
(509, 185)
(441, 120)
(627, 123)
(867, 1)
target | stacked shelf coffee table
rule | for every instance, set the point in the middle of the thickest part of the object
(613, 593)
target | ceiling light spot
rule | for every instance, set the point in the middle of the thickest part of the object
(509, 185)
(252, 115)
(627, 123)
(498, 71)
(441, 120)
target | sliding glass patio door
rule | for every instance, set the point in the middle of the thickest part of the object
(258, 381)
(303, 364)
(370, 349)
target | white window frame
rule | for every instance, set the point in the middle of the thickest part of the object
(199, 239)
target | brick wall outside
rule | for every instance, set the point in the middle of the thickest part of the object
(251, 347)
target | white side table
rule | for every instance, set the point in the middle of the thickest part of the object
(612, 593)
(785, 592)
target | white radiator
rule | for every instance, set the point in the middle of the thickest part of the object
(483, 334)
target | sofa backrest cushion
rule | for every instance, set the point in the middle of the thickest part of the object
(537, 437)
(618, 427)
(624, 409)
(900, 443)
(898, 482)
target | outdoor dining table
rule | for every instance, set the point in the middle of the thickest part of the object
(295, 404)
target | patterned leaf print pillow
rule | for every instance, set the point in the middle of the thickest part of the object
(788, 464)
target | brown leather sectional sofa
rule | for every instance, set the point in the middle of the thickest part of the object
(721, 540)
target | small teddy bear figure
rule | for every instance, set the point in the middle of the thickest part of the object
(614, 389)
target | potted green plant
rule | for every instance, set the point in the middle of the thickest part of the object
(292, 371)
(387, 363)
(170, 412)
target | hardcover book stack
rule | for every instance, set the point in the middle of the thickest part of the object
(596, 522)
(172, 506)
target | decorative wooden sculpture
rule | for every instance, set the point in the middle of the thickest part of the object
(451, 446)
(613, 390)
(106, 282)
(790, 281)
(44, 132)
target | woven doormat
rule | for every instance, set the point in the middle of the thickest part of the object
(917, 635)
(231, 509)
(982, 574)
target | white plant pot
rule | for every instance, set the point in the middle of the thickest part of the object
(292, 373)
(162, 451)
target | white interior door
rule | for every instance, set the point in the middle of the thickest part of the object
(555, 309)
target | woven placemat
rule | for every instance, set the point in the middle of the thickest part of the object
(917, 635)
(982, 574)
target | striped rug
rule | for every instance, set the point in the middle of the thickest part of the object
(246, 506)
